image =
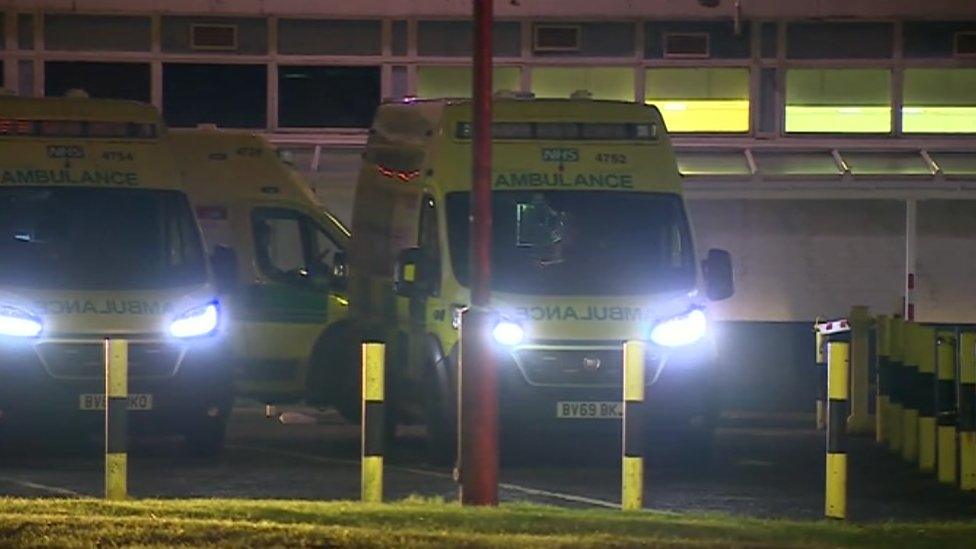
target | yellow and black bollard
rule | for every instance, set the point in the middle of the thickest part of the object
(838, 394)
(374, 416)
(945, 404)
(820, 358)
(909, 372)
(116, 418)
(925, 397)
(632, 475)
(967, 410)
(882, 341)
(896, 397)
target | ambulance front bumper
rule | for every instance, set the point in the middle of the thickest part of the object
(579, 389)
(59, 382)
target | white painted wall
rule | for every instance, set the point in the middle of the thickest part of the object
(798, 259)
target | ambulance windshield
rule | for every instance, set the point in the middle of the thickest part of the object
(98, 239)
(580, 242)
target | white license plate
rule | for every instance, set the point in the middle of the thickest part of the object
(94, 401)
(581, 409)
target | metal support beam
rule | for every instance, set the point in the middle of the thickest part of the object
(479, 379)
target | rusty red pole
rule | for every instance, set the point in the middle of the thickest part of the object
(478, 391)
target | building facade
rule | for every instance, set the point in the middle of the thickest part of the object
(830, 144)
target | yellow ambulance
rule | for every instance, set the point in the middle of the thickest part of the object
(279, 260)
(591, 247)
(97, 240)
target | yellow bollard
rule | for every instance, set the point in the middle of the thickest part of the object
(838, 393)
(896, 395)
(925, 390)
(882, 353)
(373, 417)
(945, 404)
(116, 418)
(967, 410)
(820, 354)
(632, 468)
(909, 426)
(860, 420)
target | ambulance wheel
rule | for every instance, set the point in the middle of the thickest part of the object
(347, 398)
(334, 376)
(206, 439)
(441, 431)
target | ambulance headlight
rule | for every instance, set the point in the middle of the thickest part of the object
(508, 333)
(681, 330)
(199, 321)
(16, 322)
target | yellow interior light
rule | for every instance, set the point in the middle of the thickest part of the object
(939, 119)
(704, 115)
(838, 119)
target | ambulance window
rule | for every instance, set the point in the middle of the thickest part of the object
(278, 245)
(324, 250)
(427, 240)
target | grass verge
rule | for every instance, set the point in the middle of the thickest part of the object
(424, 523)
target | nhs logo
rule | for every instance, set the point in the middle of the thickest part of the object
(560, 154)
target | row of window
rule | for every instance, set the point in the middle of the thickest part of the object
(452, 38)
(705, 100)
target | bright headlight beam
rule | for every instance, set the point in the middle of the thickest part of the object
(681, 330)
(15, 322)
(195, 322)
(508, 333)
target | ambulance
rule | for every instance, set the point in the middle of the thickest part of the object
(592, 247)
(279, 259)
(98, 240)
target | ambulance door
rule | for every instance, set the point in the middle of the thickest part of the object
(288, 302)
(426, 309)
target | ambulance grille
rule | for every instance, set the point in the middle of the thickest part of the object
(87, 360)
(571, 367)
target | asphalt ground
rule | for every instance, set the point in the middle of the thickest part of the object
(765, 468)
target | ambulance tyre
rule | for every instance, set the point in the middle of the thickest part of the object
(206, 439)
(348, 398)
(334, 374)
(441, 433)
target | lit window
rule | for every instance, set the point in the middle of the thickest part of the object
(939, 101)
(456, 81)
(603, 82)
(700, 100)
(838, 101)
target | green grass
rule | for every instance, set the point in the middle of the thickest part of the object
(425, 523)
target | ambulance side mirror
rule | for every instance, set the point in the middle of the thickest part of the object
(407, 281)
(223, 260)
(717, 271)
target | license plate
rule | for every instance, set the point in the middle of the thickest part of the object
(577, 409)
(94, 401)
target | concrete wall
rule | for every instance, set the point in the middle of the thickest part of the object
(796, 260)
